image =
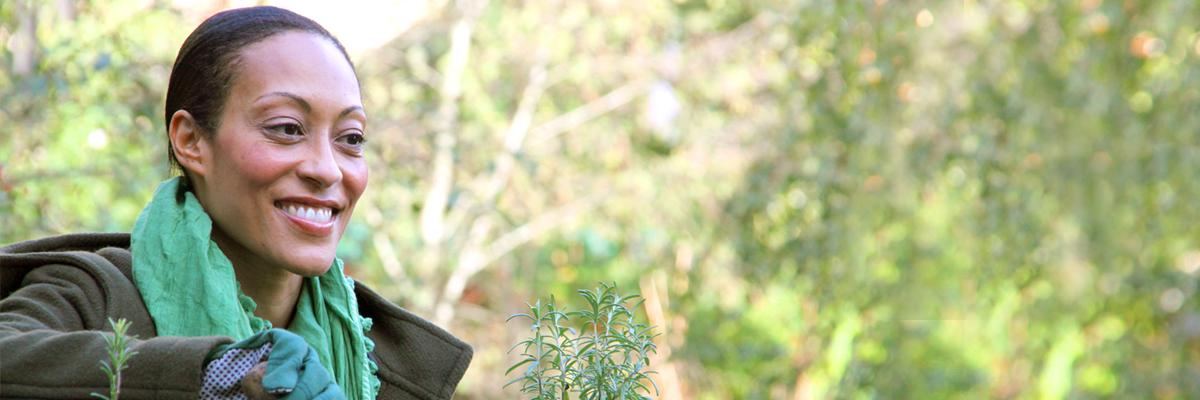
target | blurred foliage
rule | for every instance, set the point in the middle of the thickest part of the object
(818, 199)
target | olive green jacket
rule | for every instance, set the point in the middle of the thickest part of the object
(59, 292)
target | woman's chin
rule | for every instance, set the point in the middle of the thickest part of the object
(309, 266)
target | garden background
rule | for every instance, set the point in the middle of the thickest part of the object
(817, 199)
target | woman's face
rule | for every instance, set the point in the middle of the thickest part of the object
(286, 164)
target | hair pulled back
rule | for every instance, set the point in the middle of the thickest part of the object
(205, 67)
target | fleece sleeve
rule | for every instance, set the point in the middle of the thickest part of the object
(52, 333)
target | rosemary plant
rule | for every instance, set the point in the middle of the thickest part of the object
(606, 359)
(118, 358)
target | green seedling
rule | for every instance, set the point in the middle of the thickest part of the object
(606, 359)
(118, 357)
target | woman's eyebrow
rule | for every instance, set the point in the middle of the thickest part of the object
(304, 103)
(299, 100)
(349, 110)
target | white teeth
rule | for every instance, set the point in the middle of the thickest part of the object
(319, 215)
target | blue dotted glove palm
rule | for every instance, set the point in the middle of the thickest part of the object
(293, 370)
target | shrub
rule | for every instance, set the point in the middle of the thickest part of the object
(607, 358)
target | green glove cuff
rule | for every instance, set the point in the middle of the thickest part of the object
(254, 341)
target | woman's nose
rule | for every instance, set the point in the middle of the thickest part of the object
(320, 166)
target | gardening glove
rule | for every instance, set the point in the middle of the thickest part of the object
(293, 370)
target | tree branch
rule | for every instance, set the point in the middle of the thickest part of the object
(433, 209)
(476, 257)
(514, 138)
(587, 112)
(672, 387)
(387, 255)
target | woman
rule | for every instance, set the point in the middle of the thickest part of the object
(232, 264)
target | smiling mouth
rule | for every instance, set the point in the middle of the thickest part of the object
(313, 214)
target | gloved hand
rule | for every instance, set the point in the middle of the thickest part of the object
(293, 368)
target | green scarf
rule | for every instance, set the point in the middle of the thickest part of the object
(190, 290)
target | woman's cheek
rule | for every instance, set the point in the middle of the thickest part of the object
(263, 162)
(356, 177)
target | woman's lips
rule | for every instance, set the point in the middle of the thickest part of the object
(317, 214)
(316, 221)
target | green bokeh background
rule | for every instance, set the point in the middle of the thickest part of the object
(823, 199)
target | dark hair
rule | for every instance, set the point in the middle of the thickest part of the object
(204, 69)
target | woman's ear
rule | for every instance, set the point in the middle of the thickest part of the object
(189, 144)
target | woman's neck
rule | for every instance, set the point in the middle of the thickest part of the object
(274, 290)
(275, 295)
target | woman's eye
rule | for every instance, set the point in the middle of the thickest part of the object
(354, 141)
(287, 129)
